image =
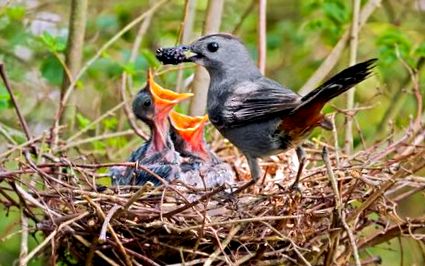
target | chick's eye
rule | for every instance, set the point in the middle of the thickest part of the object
(212, 47)
(147, 103)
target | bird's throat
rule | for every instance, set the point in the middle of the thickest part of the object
(160, 134)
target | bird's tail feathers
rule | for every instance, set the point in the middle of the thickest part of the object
(339, 83)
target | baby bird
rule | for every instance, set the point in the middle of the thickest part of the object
(200, 167)
(152, 105)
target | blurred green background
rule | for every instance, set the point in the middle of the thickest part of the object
(300, 34)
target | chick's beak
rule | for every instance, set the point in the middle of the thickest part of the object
(189, 127)
(164, 100)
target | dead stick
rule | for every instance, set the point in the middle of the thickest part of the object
(226, 242)
(112, 211)
(336, 52)
(15, 104)
(127, 110)
(354, 37)
(102, 215)
(262, 49)
(339, 207)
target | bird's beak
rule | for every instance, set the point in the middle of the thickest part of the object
(190, 55)
(190, 128)
(164, 100)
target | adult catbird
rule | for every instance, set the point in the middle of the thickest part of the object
(200, 166)
(152, 105)
(255, 113)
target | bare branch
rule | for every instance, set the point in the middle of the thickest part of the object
(201, 80)
(186, 35)
(261, 29)
(87, 65)
(15, 104)
(354, 39)
(336, 52)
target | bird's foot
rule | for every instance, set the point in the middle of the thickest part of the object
(293, 187)
(296, 187)
(243, 187)
(231, 196)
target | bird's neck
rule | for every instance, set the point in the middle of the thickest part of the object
(160, 137)
(232, 74)
(198, 147)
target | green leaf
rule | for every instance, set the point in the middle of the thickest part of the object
(51, 69)
(129, 68)
(150, 57)
(315, 24)
(373, 216)
(336, 11)
(420, 51)
(392, 42)
(53, 43)
(99, 145)
(16, 12)
(110, 123)
(4, 98)
(82, 121)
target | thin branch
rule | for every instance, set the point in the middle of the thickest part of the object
(336, 52)
(335, 136)
(15, 104)
(87, 65)
(95, 122)
(201, 80)
(138, 41)
(332, 179)
(50, 237)
(354, 40)
(398, 99)
(415, 82)
(339, 206)
(96, 138)
(223, 245)
(24, 238)
(98, 252)
(406, 168)
(75, 44)
(127, 110)
(262, 39)
(112, 211)
(7, 135)
(21, 146)
(186, 35)
(102, 216)
(244, 16)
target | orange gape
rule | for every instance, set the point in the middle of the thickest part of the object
(191, 129)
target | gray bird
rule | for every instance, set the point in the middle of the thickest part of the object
(255, 113)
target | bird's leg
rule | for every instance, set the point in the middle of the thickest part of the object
(301, 159)
(254, 168)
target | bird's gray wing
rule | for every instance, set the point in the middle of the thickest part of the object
(257, 100)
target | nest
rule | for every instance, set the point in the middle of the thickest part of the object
(328, 221)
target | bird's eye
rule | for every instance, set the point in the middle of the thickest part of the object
(147, 103)
(212, 47)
